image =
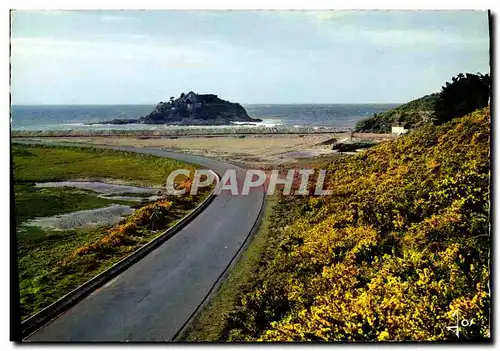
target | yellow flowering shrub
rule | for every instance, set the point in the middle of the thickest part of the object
(400, 247)
(126, 230)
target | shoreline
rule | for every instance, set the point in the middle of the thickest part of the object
(176, 132)
(252, 149)
(191, 132)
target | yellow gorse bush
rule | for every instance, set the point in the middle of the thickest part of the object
(401, 245)
(121, 233)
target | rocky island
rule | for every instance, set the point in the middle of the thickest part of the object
(193, 109)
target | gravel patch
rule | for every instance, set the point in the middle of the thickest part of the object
(98, 187)
(100, 217)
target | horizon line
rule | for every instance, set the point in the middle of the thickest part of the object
(254, 103)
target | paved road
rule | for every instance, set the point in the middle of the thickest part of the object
(153, 299)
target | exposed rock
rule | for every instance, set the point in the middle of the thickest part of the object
(351, 146)
(330, 141)
(118, 121)
(193, 109)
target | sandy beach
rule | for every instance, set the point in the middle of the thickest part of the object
(249, 149)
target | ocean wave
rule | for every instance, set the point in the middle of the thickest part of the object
(266, 122)
(36, 118)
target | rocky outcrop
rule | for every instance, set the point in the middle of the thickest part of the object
(194, 109)
(410, 115)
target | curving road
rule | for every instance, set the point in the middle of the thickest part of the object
(153, 299)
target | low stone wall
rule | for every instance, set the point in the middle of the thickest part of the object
(179, 131)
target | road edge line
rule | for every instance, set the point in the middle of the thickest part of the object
(51, 312)
(224, 274)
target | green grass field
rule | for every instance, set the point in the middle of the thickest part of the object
(34, 202)
(44, 163)
(51, 263)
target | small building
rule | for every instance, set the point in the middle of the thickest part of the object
(190, 97)
(399, 129)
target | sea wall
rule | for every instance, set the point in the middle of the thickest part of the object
(178, 131)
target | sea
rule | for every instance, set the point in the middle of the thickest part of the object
(78, 117)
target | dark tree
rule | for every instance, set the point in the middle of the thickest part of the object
(463, 95)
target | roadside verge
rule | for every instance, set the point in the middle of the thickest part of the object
(47, 314)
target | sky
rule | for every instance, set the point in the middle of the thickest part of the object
(250, 57)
